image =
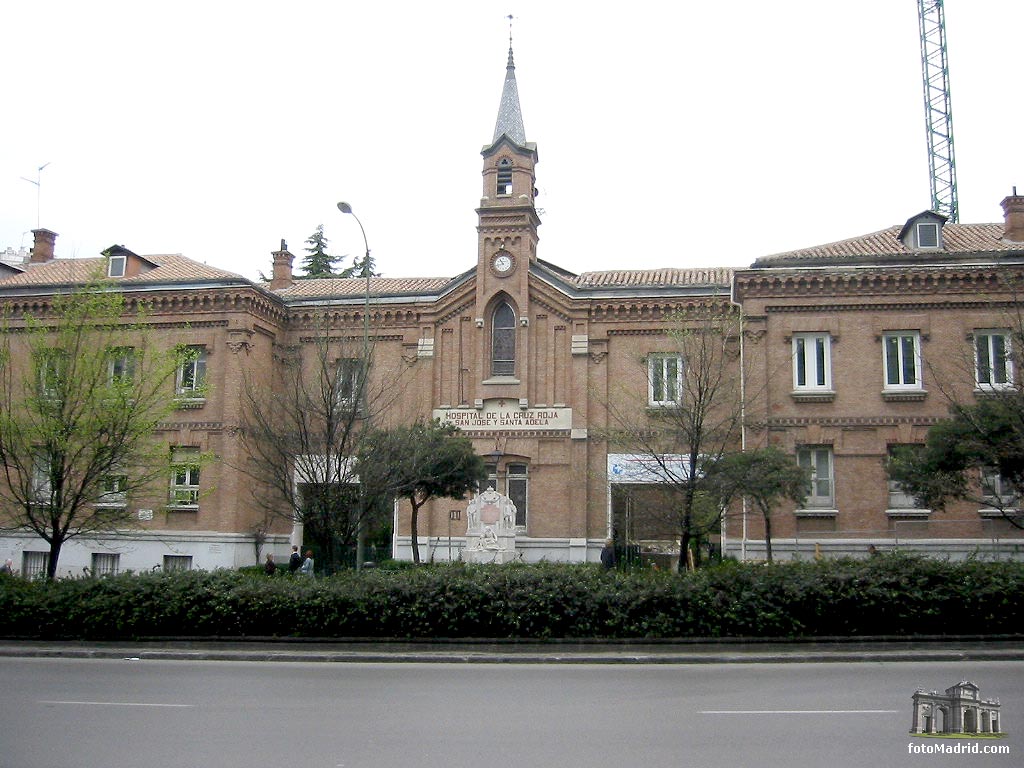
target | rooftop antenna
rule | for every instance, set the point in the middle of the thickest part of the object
(39, 187)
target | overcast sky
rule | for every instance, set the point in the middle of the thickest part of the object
(670, 134)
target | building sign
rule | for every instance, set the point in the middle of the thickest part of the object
(640, 468)
(500, 414)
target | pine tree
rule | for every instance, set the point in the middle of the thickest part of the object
(318, 263)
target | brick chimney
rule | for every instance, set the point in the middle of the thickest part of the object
(42, 248)
(1013, 214)
(282, 276)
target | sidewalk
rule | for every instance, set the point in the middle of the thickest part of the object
(555, 652)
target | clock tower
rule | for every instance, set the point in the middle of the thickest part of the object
(507, 241)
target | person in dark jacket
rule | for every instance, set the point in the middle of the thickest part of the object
(608, 555)
(295, 561)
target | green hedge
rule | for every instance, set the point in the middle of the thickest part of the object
(888, 595)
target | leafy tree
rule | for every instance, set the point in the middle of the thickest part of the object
(765, 475)
(318, 263)
(976, 455)
(82, 393)
(419, 462)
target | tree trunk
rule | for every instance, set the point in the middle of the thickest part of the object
(51, 565)
(768, 535)
(413, 531)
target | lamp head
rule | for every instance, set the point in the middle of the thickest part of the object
(344, 207)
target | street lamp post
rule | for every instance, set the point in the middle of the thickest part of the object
(363, 378)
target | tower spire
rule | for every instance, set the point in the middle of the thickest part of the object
(510, 115)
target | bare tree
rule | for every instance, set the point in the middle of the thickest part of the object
(83, 390)
(302, 428)
(691, 415)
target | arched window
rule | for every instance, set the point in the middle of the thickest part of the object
(503, 341)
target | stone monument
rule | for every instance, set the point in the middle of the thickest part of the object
(490, 529)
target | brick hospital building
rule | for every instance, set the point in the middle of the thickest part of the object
(848, 349)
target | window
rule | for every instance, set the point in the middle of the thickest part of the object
(898, 497)
(185, 478)
(113, 492)
(504, 183)
(105, 563)
(516, 486)
(51, 365)
(812, 367)
(818, 462)
(902, 353)
(192, 372)
(177, 562)
(121, 364)
(116, 266)
(517, 491)
(664, 379)
(347, 382)
(503, 341)
(42, 477)
(992, 360)
(996, 491)
(34, 564)
(928, 235)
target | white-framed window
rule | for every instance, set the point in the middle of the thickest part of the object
(898, 497)
(177, 562)
(996, 490)
(184, 477)
(993, 361)
(664, 379)
(927, 234)
(812, 363)
(817, 460)
(901, 352)
(116, 265)
(34, 564)
(105, 563)
(503, 340)
(347, 382)
(113, 491)
(120, 364)
(51, 365)
(42, 477)
(191, 374)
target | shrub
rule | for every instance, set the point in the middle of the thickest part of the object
(886, 595)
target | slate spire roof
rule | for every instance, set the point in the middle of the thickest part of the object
(510, 116)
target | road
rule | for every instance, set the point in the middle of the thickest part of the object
(69, 713)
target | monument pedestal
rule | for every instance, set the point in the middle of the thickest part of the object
(490, 529)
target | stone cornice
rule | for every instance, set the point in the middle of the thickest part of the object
(901, 306)
(963, 278)
(784, 422)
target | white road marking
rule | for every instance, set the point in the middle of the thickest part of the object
(800, 712)
(119, 704)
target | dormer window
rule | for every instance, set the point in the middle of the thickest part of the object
(116, 265)
(928, 235)
(923, 232)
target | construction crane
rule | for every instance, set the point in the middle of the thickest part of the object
(938, 114)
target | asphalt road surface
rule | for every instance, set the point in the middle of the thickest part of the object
(78, 713)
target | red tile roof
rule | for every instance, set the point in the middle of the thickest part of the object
(171, 268)
(652, 278)
(960, 241)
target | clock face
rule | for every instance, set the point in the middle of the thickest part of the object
(502, 263)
